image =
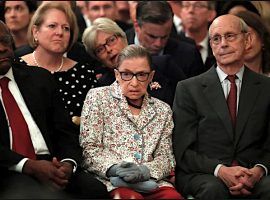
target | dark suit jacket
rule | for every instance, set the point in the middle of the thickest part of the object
(40, 94)
(184, 54)
(167, 74)
(203, 136)
(210, 59)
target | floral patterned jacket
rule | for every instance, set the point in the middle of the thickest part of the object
(110, 134)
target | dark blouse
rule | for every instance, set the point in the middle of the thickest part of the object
(74, 85)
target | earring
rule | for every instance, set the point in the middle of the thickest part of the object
(36, 41)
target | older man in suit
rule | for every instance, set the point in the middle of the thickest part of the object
(38, 145)
(222, 149)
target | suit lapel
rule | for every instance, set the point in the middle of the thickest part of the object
(31, 99)
(250, 89)
(4, 132)
(214, 93)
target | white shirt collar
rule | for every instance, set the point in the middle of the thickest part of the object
(9, 74)
(204, 42)
(178, 23)
(222, 76)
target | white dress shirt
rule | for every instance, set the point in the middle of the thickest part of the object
(38, 141)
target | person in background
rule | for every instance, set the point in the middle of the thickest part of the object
(123, 14)
(221, 138)
(126, 134)
(52, 32)
(233, 7)
(132, 10)
(104, 40)
(177, 21)
(40, 153)
(17, 16)
(152, 29)
(258, 54)
(196, 17)
(97, 9)
(82, 5)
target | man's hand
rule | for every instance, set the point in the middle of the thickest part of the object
(46, 172)
(230, 175)
(65, 172)
(249, 180)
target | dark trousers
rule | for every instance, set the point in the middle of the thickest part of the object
(84, 185)
(209, 187)
(15, 185)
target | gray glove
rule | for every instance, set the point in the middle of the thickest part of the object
(132, 173)
(112, 170)
(145, 186)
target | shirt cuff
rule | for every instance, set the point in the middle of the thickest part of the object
(73, 162)
(217, 169)
(18, 168)
(265, 168)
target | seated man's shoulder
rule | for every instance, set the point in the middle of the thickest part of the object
(183, 46)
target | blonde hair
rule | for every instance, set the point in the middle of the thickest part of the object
(104, 25)
(38, 19)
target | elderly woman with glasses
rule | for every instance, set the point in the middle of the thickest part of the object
(104, 40)
(126, 134)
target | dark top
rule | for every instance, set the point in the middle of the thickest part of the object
(73, 86)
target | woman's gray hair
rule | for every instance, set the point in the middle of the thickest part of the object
(134, 51)
(104, 25)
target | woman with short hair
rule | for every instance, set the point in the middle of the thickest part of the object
(126, 134)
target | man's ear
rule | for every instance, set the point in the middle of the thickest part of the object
(212, 15)
(248, 40)
(137, 27)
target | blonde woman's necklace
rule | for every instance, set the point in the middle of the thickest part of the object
(36, 63)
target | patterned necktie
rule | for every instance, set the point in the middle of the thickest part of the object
(232, 98)
(21, 141)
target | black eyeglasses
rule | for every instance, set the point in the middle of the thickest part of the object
(109, 42)
(5, 40)
(229, 37)
(141, 76)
